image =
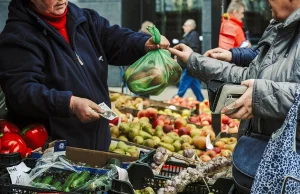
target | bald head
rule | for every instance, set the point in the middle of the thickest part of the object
(189, 25)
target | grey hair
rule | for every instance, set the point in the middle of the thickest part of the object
(234, 6)
(191, 22)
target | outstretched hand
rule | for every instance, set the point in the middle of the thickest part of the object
(85, 109)
(150, 44)
(182, 51)
(220, 54)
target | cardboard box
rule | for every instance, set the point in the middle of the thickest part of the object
(90, 157)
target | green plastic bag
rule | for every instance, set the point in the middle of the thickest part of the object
(152, 73)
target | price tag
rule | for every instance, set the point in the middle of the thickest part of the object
(18, 174)
(119, 121)
(209, 146)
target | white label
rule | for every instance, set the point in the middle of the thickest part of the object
(119, 121)
(18, 168)
(123, 175)
(209, 146)
(130, 118)
(140, 106)
(18, 174)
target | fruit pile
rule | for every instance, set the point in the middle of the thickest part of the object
(184, 102)
(122, 148)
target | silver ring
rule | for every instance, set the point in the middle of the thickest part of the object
(226, 105)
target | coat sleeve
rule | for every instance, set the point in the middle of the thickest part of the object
(121, 45)
(206, 69)
(22, 81)
(243, 56)
(272, 99)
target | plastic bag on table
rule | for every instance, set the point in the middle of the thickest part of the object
(152, 73)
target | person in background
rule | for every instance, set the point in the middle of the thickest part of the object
(271, 77)
(54, 65)
(231, 32)
(190, 38)
(144, 26)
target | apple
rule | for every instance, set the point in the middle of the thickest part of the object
(225, 153)
(205, 158)
(233, 130)
(217, 149)
(200, 142)
(183, 131)
(230, 146)
(211, 153)
(206, 118)
(141, 113)
(185, 146)
(168, 128)
(195, 132)
(114, 121)
(194, 119)
(179, 123)
(211, 133)
(205, 123)
(152, 112)
(158, 122)
(186, 112)
(225, 119)
(220, 144)
(186, 139)
(231, 140)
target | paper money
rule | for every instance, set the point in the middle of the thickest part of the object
(108, 113)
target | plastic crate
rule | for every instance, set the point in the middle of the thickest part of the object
(7, 188)
(7, 160)
(141, 176)
(170, 169)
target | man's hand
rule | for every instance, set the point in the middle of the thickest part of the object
(150, 45)
(220, 54)
(182, 51)
(243, 104)
(84, 109)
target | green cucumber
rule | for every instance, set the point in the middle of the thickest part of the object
(37, 180)
(47, 180)
(69, 181)
(56, 184)
(83, 176)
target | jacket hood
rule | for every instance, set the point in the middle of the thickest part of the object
(21, 11)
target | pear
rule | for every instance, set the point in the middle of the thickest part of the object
(180, 152)
(133, 152)
(114, 130)
(121, 145)
(144, 119)
(185, 146)
(123, 138)
(124, 128)
(167, 139)
(147, 127)
(145, 135)
(132, 148)
(114, 96)
(186, 139)
(159, 132)
(133, 132)
(127, 154)
(177, 145)
(173, 135)
(149, 143)
(156, 139)
(112, 147)
(138, 140)
(167, 146)
(119, 151)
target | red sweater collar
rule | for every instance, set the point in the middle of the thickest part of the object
(232, 18)
(57, 21)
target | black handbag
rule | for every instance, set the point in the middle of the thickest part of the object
(246, 157)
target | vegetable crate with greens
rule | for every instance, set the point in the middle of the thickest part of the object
(55, 180)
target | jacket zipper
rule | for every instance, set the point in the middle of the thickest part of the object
(78, 59)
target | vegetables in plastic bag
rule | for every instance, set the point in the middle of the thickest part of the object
(152, 73)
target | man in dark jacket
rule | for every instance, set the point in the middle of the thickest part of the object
(53, 67)
(190, 38)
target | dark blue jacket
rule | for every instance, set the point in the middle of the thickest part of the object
(40, 71)
(243, 56)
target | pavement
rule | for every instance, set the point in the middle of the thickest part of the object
(167, 94)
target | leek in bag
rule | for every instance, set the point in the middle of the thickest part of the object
(152, 73)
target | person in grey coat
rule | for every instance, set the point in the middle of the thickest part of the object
(271, 77)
